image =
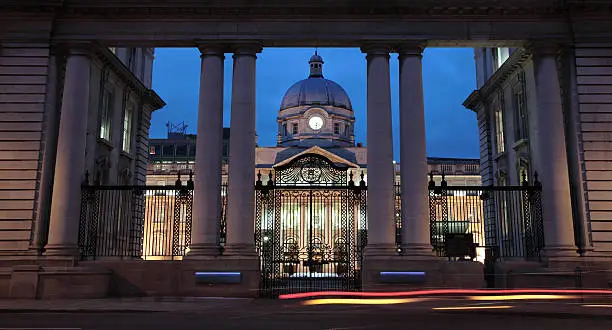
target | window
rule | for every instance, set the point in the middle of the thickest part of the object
(500, 55)
(168, 151)
(128, 116)
(499, 131)
(181, 150)
(523, 171)
(131, 59)
(520, 116)
(336, 128)
(106, 115)
(192, 150)
(225, 148)
(285, 132)
(294, 128)
(346, 129)
(502, 179)
(152, 150)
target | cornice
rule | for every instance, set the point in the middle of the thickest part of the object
(150, 97)
(312, 9)
(508, 68)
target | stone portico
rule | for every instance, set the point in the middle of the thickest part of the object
(217, 28)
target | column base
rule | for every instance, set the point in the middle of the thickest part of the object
(203, 250)
(417, 251)
(380, 250)
(61, 250)
(240, 250)
(560, 252)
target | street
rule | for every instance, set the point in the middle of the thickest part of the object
(294, 315)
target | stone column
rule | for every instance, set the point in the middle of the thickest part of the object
(209, 144)
(241, 181)
(381, 194)
(70, 159)
(40, 226)
(413, 155)
(550, 139)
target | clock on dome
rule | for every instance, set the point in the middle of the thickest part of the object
(315, 122)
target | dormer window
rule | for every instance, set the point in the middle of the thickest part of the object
(294, 128)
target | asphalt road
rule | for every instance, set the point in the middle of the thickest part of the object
(297, 317)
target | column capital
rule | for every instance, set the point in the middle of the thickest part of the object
(246, 49)
(78, 49)
(544, 47)
(212, 50)
(376, 49)
(415, 48)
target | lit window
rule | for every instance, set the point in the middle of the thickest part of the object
(499, 131)
(127, 128)
(106, 115)
(152, 150)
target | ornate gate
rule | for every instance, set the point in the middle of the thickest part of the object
(310, 227)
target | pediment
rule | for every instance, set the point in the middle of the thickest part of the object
(335, 159)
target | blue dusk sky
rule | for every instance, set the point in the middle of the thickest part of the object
(448, 78)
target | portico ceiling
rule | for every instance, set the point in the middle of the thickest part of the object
(291, 23)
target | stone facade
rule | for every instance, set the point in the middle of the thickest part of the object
(506, 102)
(120, 103)
(567, 143)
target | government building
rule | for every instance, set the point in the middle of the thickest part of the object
(315, 152)
(90, 208)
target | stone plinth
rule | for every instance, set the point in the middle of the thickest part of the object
(38, 282)
(177, 278)
(439, 273)
(578, 273)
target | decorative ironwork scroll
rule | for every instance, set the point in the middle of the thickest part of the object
(311, 169)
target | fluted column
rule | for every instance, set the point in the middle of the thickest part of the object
(413, 155)
(70, 159)
(381, 195)
(550, 139)
(241, 180)
(209, 153)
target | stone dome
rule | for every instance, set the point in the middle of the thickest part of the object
(316, 90)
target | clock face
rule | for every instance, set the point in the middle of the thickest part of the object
(315, 122)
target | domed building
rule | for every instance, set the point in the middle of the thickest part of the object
(316, 111)
(314, 163)
(315, 117)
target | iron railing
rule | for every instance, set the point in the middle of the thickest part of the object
(142, 222)
(154, 222)
(500, 222)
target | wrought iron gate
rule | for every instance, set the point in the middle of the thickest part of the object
(310, 227)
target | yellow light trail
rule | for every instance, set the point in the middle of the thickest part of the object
(521, 297)
(339, 301)
(456, 308)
